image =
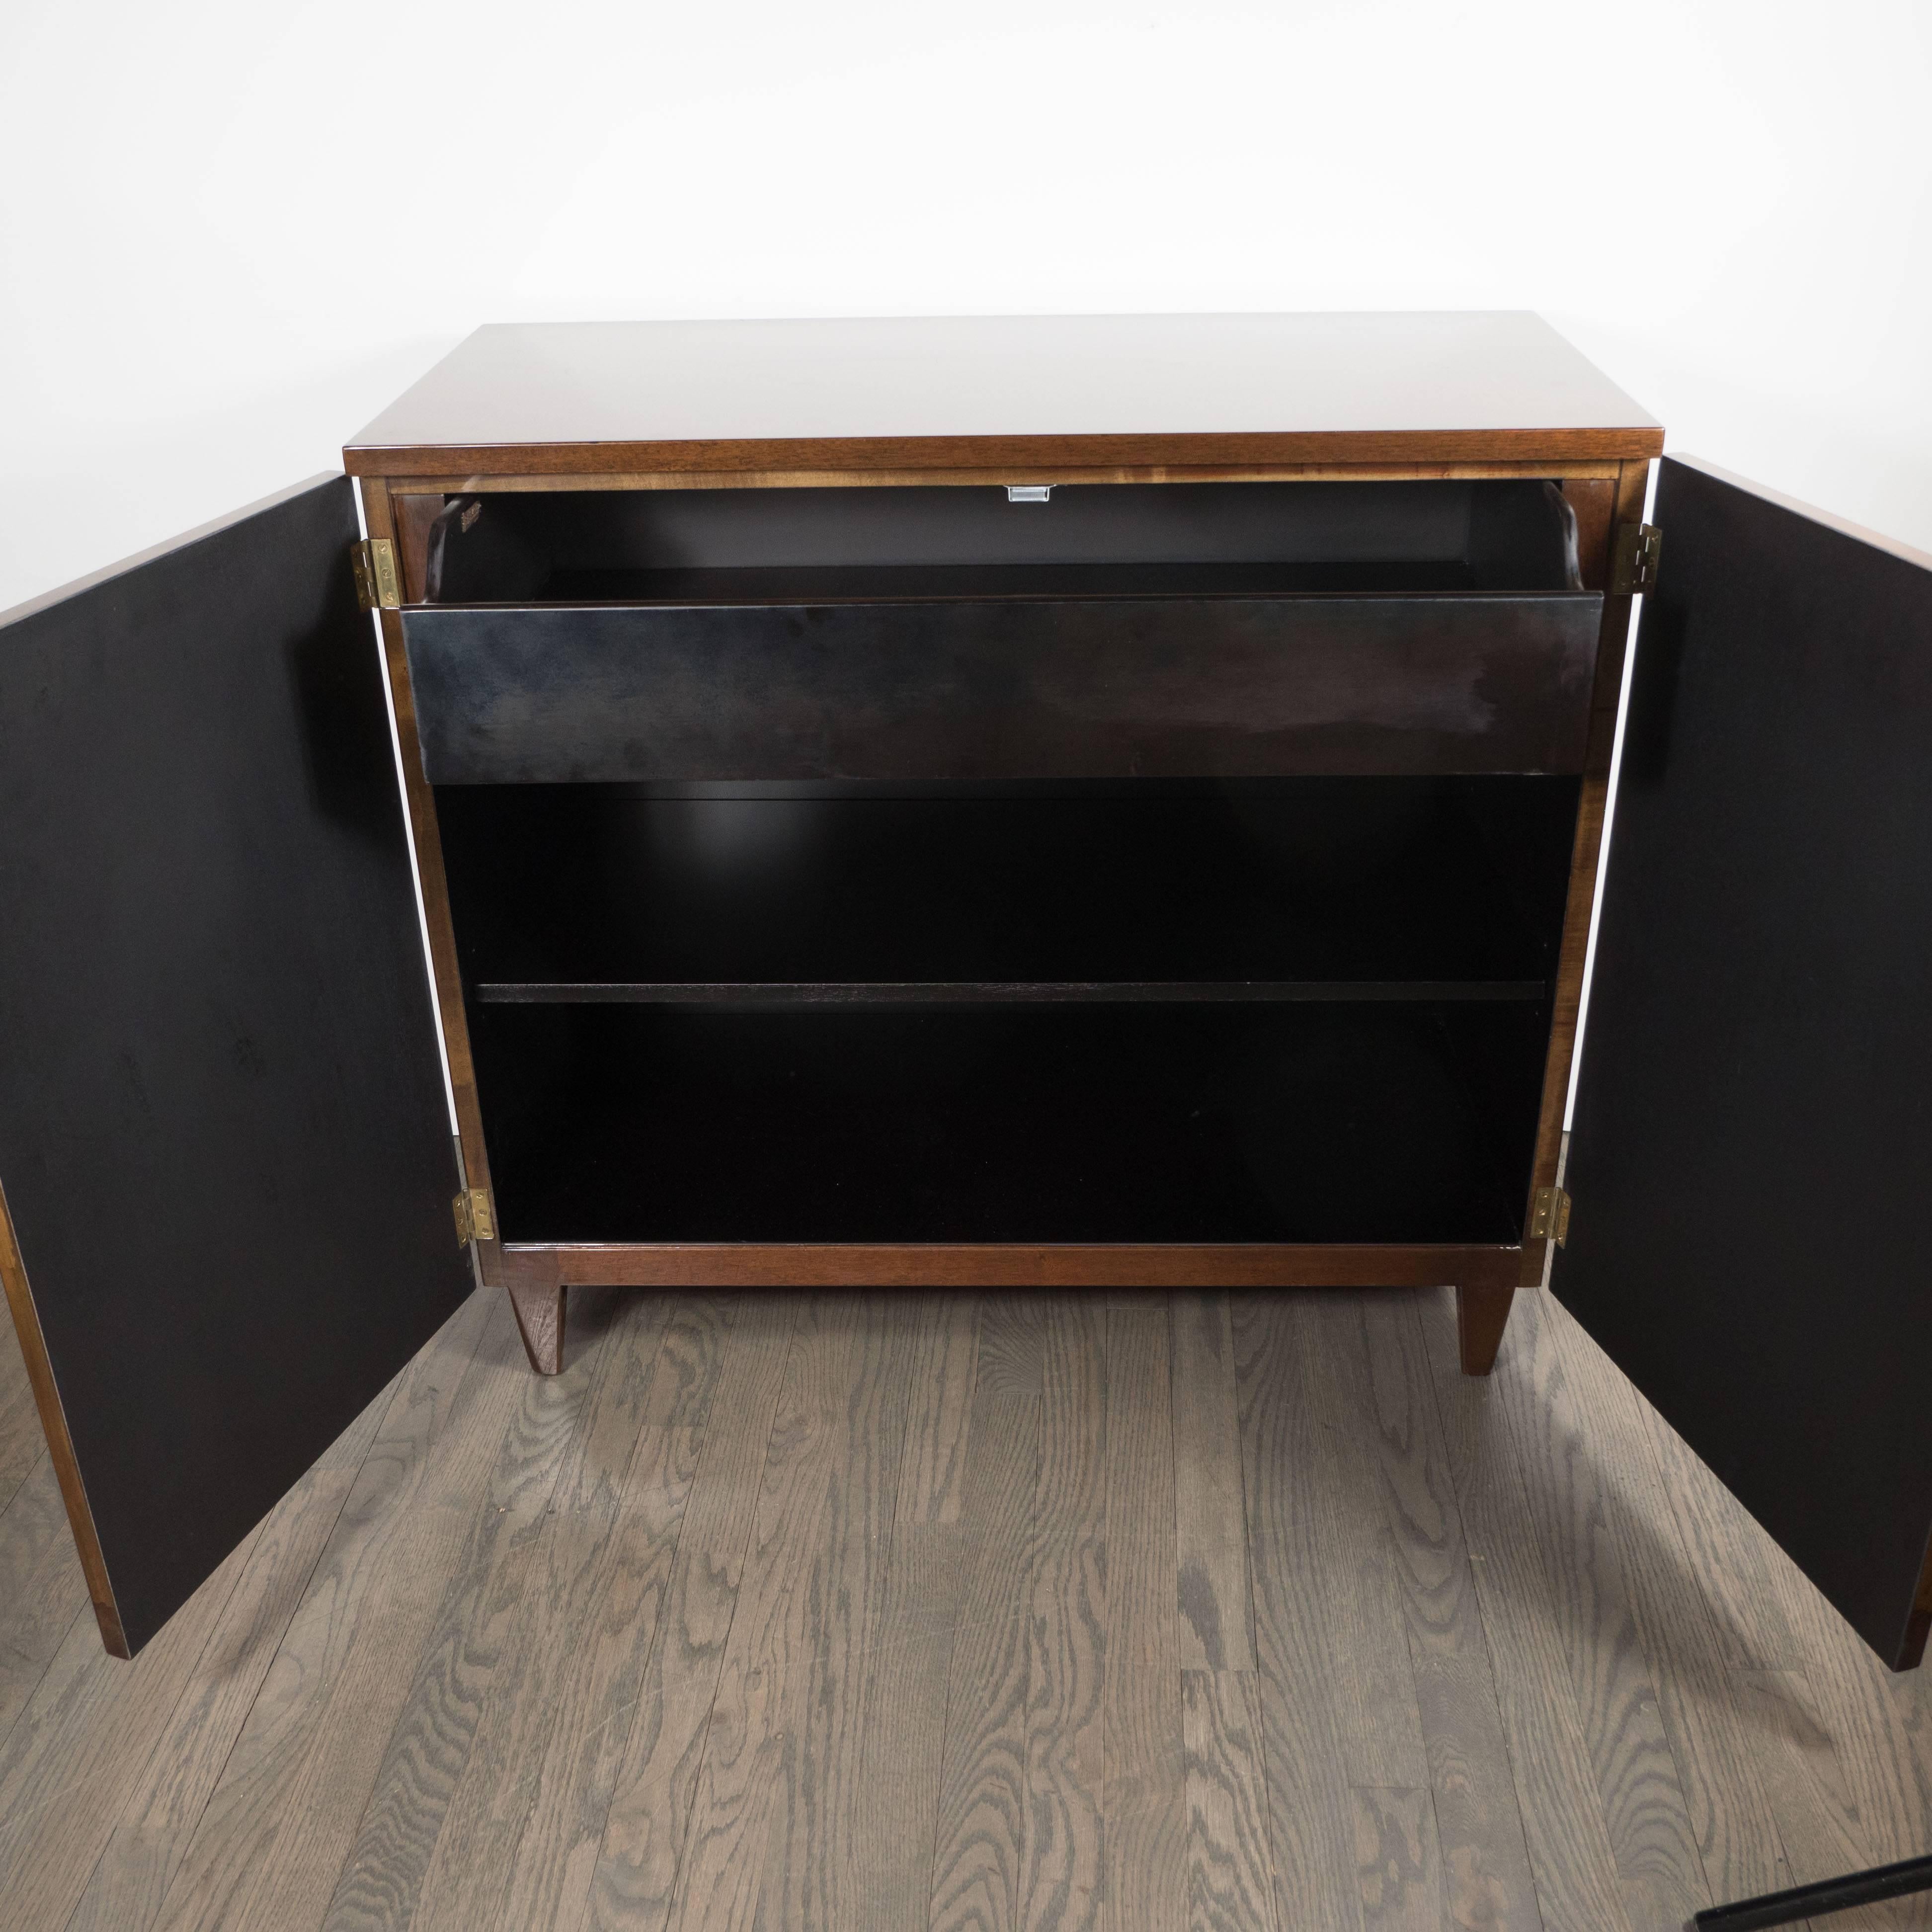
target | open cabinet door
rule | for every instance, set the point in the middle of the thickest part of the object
(1751, 1157)
(223, 1140)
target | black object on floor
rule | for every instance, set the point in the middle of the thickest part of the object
(1828, 1895)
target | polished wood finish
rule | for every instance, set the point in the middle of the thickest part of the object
(60, 1443)
(988, 392)
(410, 517)
(1482, 1313)
(938, 1264)
(471, 483)
(674, 406)
(426, 840)
(1586, 855)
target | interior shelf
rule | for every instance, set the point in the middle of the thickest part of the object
(989, 992)
(1294, 889)
(1323, 1121)
(1142, 540)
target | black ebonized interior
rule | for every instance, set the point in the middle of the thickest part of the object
(623, 947)
(1122, 540)
(1284, 1123)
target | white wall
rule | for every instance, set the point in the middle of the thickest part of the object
(229, 232)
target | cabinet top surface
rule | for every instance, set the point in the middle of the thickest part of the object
(945, 392)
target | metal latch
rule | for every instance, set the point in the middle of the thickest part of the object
(377, 586)
(1029, 492)
(1549, 1216)
(474, 1220)
(1634, 567)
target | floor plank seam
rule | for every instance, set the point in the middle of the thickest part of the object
(295, 1610)
(676, 1894)
(1680, 1757)
(1477, 1560)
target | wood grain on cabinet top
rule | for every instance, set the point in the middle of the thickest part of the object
(1086, 391)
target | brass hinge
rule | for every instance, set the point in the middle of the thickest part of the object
(377, 586)
(1549, 1216)
(1633, 568)
(474, 1220)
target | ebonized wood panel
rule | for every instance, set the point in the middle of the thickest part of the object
(1098, 687)
(739, 993)
(1341, 880)
(806, 545)
(1286, 1123)
(223, 1134)
(1759, 1049)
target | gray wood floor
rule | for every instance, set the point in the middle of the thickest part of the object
(961, 1611)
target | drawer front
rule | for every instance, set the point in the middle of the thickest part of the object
(1095, 688)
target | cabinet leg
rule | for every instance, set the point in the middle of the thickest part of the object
(1481, 1316)
(539, 1313)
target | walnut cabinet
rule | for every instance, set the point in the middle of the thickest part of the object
(1027, 802)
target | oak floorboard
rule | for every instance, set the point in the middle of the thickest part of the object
(67, 1763)
(942, 1375)
(1828, 1746)
(469, 1644)
(22, 1443)
(1310, 1825)
(526, 1806)
(1687, 1576)
(682, 1379)
(978, 1830)
(817, 1859)
(164, 1804)
(927, 1568)
(103, 1738)
(1230, 1886)
(750, 1750)
(1217, 1608)
(634, 1876)
(1798, 1762)
(43, 1593)
(1727, 1548)
(285, 1812)
(1574, 1869)
(1866, 1711)
(1566, 1502)
(1543, 1545)
(1395, 1858)
(1377, 1722)
(1144, 1850)
(1387, 1396)
(1063, 1829)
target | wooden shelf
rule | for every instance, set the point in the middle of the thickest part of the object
(990, 992)
(1309, 883)
(1312, 1121)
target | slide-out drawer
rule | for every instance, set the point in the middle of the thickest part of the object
(995, 688)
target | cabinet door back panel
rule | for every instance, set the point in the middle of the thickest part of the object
(1753, 1116)
(223, 1136)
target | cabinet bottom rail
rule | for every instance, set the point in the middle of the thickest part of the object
(1001, 1264)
